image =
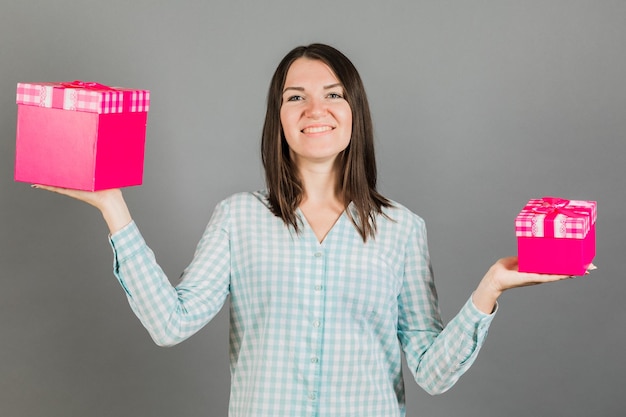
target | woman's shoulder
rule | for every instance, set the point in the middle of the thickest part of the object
(400, 214)
(247, 200)
(398, 225)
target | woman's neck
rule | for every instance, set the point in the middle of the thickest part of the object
(322, 203)
(321, 186)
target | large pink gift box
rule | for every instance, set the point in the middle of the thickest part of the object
(556, 236)
(80, 135)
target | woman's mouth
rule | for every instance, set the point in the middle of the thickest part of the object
(317, 129)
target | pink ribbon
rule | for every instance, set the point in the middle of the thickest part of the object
(551, 207)
(90, 85)
(58, 96)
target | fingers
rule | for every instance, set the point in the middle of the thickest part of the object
(58, 190)
(88, 197)
(43, 187)
(535, 279)
(53, 189)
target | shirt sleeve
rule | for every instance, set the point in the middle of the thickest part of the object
(172, 314)
(436, 355)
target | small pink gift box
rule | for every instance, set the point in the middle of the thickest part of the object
(556, 236)
(80, 135)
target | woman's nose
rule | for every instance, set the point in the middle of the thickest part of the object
(315, 108)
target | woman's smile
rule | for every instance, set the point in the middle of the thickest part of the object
(314, 107)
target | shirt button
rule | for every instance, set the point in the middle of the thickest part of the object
(312, 396)
(318, 254)
(318, 288)
(315, 359)
(316, 323)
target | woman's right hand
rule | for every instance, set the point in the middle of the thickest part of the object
(110, 203)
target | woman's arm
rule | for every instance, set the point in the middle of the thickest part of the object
(170, 314)
(439, 355)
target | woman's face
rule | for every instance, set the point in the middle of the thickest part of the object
(315, 116)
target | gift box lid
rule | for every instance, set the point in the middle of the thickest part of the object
(556, 217)
(83, 96)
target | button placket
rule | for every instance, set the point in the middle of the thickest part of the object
(317, 321)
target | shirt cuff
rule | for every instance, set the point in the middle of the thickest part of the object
(126, 242)
(475, 322)
(479, 312)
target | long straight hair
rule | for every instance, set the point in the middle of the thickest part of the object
(357, 163)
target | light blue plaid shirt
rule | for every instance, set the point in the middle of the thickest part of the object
(316, 329)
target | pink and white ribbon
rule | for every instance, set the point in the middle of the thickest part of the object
(556, 217)
(83, 96)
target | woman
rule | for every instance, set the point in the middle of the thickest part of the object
(328, 280)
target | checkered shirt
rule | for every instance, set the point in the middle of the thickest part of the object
(316, 329)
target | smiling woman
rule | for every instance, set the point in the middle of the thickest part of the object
(317, 124)
(329, 282)
(317, 87)
(316, 118)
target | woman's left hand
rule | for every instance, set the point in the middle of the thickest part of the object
(504, 275)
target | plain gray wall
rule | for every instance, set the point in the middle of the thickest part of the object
(478, 106)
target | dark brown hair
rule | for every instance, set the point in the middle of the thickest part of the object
(357, 163)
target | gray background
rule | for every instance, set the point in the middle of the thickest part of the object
(478, 107)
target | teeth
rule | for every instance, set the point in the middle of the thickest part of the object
(317, 129)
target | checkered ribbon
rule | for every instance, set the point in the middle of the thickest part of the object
(555, 217)
(83, 96)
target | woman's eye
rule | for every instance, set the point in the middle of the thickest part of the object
(334, 95)
(294, 98)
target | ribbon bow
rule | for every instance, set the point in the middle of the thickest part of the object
(90, 85)
(551, 207)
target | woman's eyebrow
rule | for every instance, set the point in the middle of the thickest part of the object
(333, 86)
(293, 88)
(326, 87)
